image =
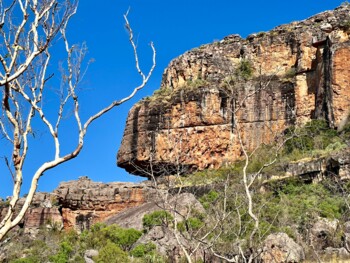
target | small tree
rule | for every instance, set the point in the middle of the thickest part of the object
(25, 54)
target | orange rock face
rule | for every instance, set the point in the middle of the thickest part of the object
(81, 203)
(298, 72)
(85, 202)
(36, 217)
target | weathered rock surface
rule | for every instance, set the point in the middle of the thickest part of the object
(41, 216)
(280, 248)
(322, 233)
(300, 72)
(89, 255)
(79, 204)
(85, 202)
(183, 204)
(168, 245)
(41, 213)
(316, 169)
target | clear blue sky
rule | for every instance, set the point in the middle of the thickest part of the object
(174, 27)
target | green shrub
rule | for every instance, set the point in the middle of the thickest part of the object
(125, 238)
(165, 91)
(208, 199)
(245, 69)
(195, 84)
(111, 253)
(315, 135)
(30, 259)
(190, 224)
(141, 250)
(156, 218)
(63, 254)
(99, 234)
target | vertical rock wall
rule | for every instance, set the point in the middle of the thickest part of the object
(299, 72)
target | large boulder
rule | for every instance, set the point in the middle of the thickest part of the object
(280, 248)
(322, 233)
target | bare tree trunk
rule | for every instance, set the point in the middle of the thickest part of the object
(23, 78)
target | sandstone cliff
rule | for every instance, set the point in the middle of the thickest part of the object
(80, 203)
(84, 202)
(259, 85)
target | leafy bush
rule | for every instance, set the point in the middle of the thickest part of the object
(30, 259)
(209, 198)
(125, 238)
(99, 234)
(63, 254)
(315, 135)
(305, 202)
(245, 69)
(195, 84)
(156, 218)
(141, 250)
(190, 224)
(112, 253)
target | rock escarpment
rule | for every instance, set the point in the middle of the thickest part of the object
(258, 86)
(79, 204)
(85, 202)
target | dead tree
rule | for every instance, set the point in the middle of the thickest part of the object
(25, 54)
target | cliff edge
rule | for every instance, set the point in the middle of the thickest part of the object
(259, 86)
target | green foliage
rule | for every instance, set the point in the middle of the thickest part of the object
(112, 253)
(125, 238)
(99, 234)
(290, 206)
(156, 218)
(164, 91)
(245, 69)
(190, 224)
(195, 84)
(312, 139)
(59, 247)
(141, 250)
(208, 199)
(30, 259)
(302, 203)
(63, 254)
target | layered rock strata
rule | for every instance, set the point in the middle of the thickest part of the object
(258, 86)
(85, 202)
(79, 204)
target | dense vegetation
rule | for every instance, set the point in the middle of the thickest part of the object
(115, 244)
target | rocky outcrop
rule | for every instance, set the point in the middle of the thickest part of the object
(85, 202)
(89, 255)
(169, 245)
(315, 169)
(259, 85)
(43, 212)
(41, 216)
(322, 233)
(183, 203)
(79, 204)
(280, 248)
